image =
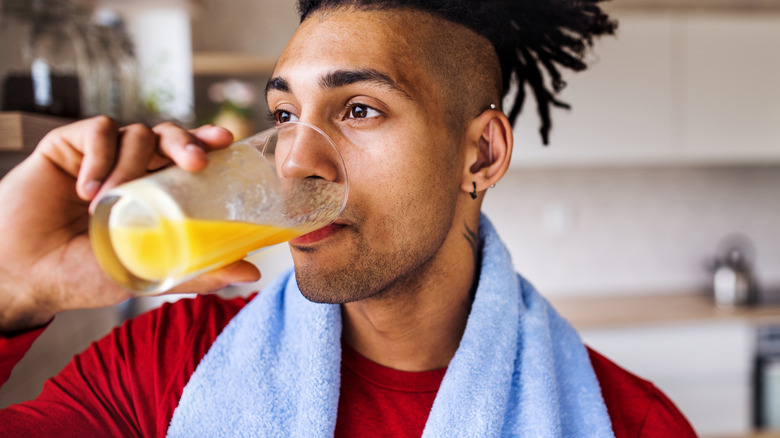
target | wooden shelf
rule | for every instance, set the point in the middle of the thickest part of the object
(21, 132)
(609, 311)
(228, 64)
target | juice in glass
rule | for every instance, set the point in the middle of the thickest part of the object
(190, 245)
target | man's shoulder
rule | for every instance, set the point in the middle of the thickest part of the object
(213, 304)
(636, 407)
(207, 314)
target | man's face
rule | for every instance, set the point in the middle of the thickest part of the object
(358, 76)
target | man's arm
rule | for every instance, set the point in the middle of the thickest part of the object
(13, 348)
(82, 400)
(126, 384)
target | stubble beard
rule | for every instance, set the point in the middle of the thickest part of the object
(367, 274)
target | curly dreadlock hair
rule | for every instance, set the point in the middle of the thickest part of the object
(531, 37)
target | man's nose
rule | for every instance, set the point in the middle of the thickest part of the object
(306, 152)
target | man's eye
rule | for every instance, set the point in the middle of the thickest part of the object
(282, 116)
(360, 111)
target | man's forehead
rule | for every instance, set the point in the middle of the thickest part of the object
(351, 40)
(350, 33)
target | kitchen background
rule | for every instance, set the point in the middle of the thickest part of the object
(669, 158)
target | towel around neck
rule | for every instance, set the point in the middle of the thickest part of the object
(520, 370)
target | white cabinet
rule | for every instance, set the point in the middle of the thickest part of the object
(705, 368)
(732, 95)
(621, 105)
(670, 88)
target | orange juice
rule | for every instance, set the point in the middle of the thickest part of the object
(184, 246)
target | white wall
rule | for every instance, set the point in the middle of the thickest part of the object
(634, 230)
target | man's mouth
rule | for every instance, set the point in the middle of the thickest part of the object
(317, 235)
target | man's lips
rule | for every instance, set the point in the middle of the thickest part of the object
(317, 235)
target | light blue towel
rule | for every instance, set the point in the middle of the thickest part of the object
(520, 370)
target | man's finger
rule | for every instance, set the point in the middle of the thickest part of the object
(239, 272)
(183, 147)
(98, 146)
(137, 145)
(214, 137)
(85, 150)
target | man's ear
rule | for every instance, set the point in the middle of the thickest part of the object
(488, 150)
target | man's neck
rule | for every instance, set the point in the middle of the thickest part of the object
(416, 325)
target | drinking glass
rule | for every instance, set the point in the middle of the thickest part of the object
(161, 230)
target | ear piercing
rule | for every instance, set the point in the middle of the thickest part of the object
(474, 192)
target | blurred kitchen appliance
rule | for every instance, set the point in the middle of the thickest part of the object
(44, 58)
(114, 69)
(767, 378)
(67, 60)
(733, 282)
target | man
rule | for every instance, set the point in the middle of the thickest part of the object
(428, 331)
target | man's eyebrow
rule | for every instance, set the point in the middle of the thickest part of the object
(342, 78)
(278, 84)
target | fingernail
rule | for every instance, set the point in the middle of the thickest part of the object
(218, 130)
(196, 151)
(193, 149)
(91, 188)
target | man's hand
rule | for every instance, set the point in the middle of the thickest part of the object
(46, 261)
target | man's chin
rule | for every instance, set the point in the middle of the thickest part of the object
(319, 298)
(315, 288)
(328, 288)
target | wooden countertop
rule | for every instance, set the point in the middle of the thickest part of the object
(757, 434)
(609, 311)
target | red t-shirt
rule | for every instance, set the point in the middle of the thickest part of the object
(381, 401)
(129, 383)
